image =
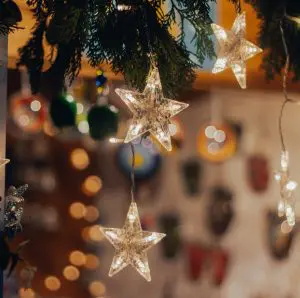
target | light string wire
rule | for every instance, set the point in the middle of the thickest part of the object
(284, 87)
(132, 175)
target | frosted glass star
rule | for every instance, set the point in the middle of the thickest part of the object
(286, 204)
(131, 244)
(151, 110)
(4, 161)
(234, 49)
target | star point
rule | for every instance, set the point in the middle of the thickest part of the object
(131, 244)
(151, 110)
(234, 49)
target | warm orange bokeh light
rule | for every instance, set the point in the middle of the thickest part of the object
(52, 283)
(91, 185)
(92, 214)
(77, 210)
(71, 273)
(92, 262)
(77, 258)
(79, 159)
(97, 288)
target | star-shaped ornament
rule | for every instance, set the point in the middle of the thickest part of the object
(151, 110)
(4, 161)
(286, 204)
(234, 49)
(131, 244)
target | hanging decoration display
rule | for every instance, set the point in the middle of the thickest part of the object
(287, 202)
(131, 242)
(63, 110)
(258, 172)
(234, 49)
(217, 142)
(29, 112)
(103, 118)
(147, 162)
(151, 110)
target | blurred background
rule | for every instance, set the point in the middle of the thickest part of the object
(214, 195)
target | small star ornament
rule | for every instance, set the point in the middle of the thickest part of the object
(3, 162)
(131, 244)
(234, 49)
(151, 110)
(286, 204)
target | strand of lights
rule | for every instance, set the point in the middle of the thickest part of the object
(287, 202)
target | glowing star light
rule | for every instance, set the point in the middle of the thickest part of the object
(151, 110)
(3, 162)
(131, 244)
(286, 204)
(234, 49)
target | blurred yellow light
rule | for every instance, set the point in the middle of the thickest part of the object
(77, 258)
(85, 234)
(26, 293)
(71, 273)
(52, 283)
(92, 214)
(97, 288)
(77, 210)
(95, 233)
(91, 185)
(79, 159)
(48, 128)
(92, 262)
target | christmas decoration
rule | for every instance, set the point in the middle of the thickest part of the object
(217, 142)
(287, 202)
(151, 110)
(131, 244)
(192, 173)
(258, 172)
(29, 112)
(235, 49)
(14, 207)
(63, 111)
(147, 161)
(220, 211)
(4, 161)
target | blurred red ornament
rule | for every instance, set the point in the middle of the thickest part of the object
(258, 172)
(29, 112)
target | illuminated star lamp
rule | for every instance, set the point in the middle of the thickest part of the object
(151, 110)
(234, 49)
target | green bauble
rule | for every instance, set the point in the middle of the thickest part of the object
(103, 122)
(63, 111)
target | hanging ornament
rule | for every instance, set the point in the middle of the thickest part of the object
(220, 211)
(147, 162)
(4, 161)
(103, 119)
(286, 204)
(14, 202)
(217, 142)
(131, 244)
(192, 174)
(63, 111)
(29, 112)
(258, 172)
(234, 49)
(151, 110)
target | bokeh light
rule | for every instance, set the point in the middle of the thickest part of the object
(52, 283)
(77, 258)
(92, 262)
(92, 214)
(77, 210)
(71, 273)
(95, 234)
(91, 185)
(26, 293)
(79, 159)
(97, 288)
